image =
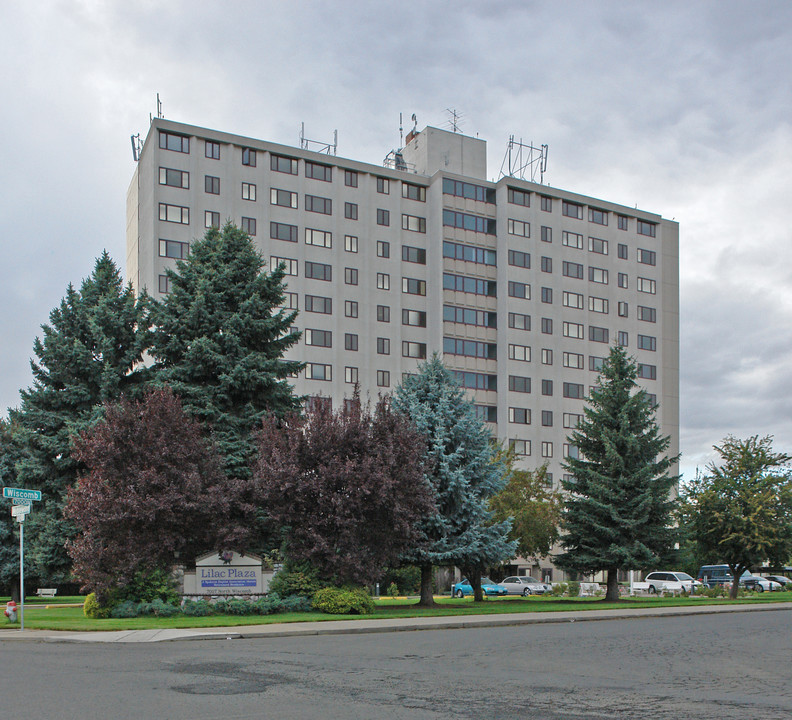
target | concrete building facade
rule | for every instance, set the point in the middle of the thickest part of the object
(520, 286)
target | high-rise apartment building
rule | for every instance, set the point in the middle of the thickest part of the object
(520, 286)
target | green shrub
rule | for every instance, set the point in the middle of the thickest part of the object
(294, 603)
(407, 578)
(220, 607)
(343, 601)
(559, 589)
(93, 609)
(239, 607)
(296, 579)
(573, 588)
(196, 608)
(126, 609)
(147, 586)
(393, 590)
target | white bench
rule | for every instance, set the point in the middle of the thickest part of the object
(589, 589)
(47, 592)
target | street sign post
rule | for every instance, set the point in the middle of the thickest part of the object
(21, 499)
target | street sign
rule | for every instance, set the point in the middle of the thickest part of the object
(19, 510)
(21, 493)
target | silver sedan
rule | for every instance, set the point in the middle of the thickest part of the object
(525, 585)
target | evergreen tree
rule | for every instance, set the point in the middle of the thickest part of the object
(91, 352)
(220, 337)
(9, 535)
(463, 473)
(618, 509)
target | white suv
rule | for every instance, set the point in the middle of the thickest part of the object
(659, 581)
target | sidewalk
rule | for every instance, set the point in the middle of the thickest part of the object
(361, 625)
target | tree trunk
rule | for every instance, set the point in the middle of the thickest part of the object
(475, 581)
(612, 593)
(427, 598)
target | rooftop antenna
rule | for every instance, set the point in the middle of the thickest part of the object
(415, 123)
(522, 158)
(401, 131)
(136, 147)
(317, 145)
(454, 119)
(159, 110)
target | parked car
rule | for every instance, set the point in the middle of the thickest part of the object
(760, 584)
(782, 580)
(525, 585)
(463, 587)
(714, 575)
(659, 581)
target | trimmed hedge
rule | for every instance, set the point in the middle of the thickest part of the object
(344, 601)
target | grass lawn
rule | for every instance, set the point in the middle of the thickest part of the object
(59, 617)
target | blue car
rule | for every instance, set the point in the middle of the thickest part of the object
(463, 587)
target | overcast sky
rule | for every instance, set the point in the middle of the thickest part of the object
(680, 108)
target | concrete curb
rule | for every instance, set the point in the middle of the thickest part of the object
(349, 627)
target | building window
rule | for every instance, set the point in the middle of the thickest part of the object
(470, 348)
(212, 150)
(596, 245)
(600, 217)
(174, 214)
(350, 243)
(598, 304)
(573, 240)
(469, 253)
(383, 378)
(164, 284)
(248, 191)
(572, 300)
(211, 219)
(319, 304)
(413, 192)
(383, 186)
(383, 217)
(383, 346)
(519, 384)
(547, 449)
(573, 360)
(319, 238)
(574, 390)
(350, 211)
(520, 447)
(546, 203)
(289, 264)
(463, 283)
(318, 271)
(350, 374)
(319, 338)
(547, 234)
(647, 314)
(647, 257)
(457, 188)
(547, 356)
(283, 164)
(466, 221)
(572, 420)
(547, 388)
(622, 280)
(350, 342)
(176, 143)
(598, 334)
(622, 251)
(414, 350)
(645, 228)
(350, 178)
(547, 326)
(645, 285)
(519, 197)
(249, 225)
(547, 264)
(476, 381)
(622, 338)
(350, 276)
(596, 363)
(598, 275)
(413, 254)
(413, 223)
(383, 249)
(519, 321)
(174, 249)
(211, 185)
(318, 371)
(623, 309)
(383, 281)
(573, 330)
(322, 205)
(487, 413)
(520, 352)
(249, 157)
(174, 178)
(647, 342)
(282, 231)
(469, 316)
(572, 270)
(647, 372)
(519, 228)
(283, 198)
(623, 222)
(547, 295)
(519, 259)
(519, 416)
(547, 418)
(417, 318)
(350, 308)
(571, 451)
(411, 286)
(317, 171)
(570, 209)
(290, 301)
(519, 290)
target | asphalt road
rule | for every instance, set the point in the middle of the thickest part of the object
(711, 666)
